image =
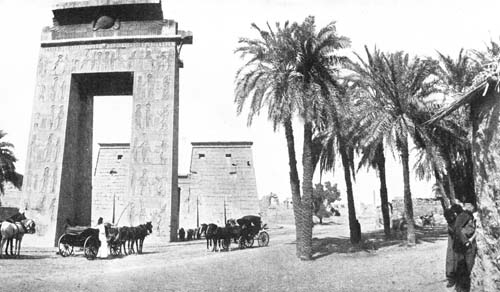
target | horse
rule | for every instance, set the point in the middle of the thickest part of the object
(182, 234)
(139, 233)
(221, 237)
(16, 231)
(18, 217)
(209, 234)
(190, 234)
(203, 231)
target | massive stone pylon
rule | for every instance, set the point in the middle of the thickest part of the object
(100, 47)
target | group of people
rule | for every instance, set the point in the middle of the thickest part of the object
(462, 246)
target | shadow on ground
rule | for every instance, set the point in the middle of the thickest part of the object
(25, 257)
(372, 241)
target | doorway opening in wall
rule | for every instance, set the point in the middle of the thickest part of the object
(111, 155)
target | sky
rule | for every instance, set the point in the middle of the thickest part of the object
(207, 109)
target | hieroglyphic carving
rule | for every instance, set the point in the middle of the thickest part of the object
(36, 121)
(143, 184)
(131, 60)
(41, 93)
(54, 180)
(163, 152)
(48, 148)
(148, 62)
(86, 60)
(53, 90)
(162, 61)
(135, 151)
(148, 116)
(45, 180)
(164, 117)
(63, 89)
(145, 151)
(59, 117)
(140, 90)
(59, 65)
(150, 86)
(138, 116)
(166, 87)
(57, 149)
(52, 116)
(159, 186)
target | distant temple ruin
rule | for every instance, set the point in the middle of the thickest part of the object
(221, 183)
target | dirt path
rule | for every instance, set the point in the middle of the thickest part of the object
(188, 267)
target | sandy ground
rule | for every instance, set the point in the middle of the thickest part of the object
(187, 266)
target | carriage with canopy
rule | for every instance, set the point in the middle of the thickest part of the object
(251, 229)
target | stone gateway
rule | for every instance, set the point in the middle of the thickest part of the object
(98, 47)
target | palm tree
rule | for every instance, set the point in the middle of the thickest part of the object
(289, 72)
(398, 85)
(335, 138)
(7, 168)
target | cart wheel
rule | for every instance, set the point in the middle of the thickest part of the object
(249, 242)
(115, 250)
(263, 238)
(90, 247)
(65, 249)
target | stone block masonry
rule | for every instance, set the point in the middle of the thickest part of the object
(221, 180)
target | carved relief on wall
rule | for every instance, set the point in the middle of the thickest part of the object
(158, 186)
(59, 118)
(163, 61)
(138, 116)
(59, 65)
(148, 62)
(148, 117)
(41, 93)
(131, 60)
(52, 116)
(166, 87)
(57, 149)
(54, 180)
(145, 150)
(53, 89)
(150, 86)
(142, 184)
(45, 180)
(48, 148)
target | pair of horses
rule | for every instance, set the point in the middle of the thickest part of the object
(14, 228)
(126, 237)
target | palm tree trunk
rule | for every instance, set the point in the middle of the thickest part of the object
(448, 165)
(354, 226)
(407, 192)
(384, 202)
(294, 182)
(307, 191)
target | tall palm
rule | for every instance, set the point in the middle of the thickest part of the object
(7, 168)
(398, 85)
(336, 138)
(264, 80)
(288, 72)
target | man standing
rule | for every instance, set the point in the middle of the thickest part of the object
(465, 246)
(104, 248)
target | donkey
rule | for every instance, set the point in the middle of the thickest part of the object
(16, 231)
